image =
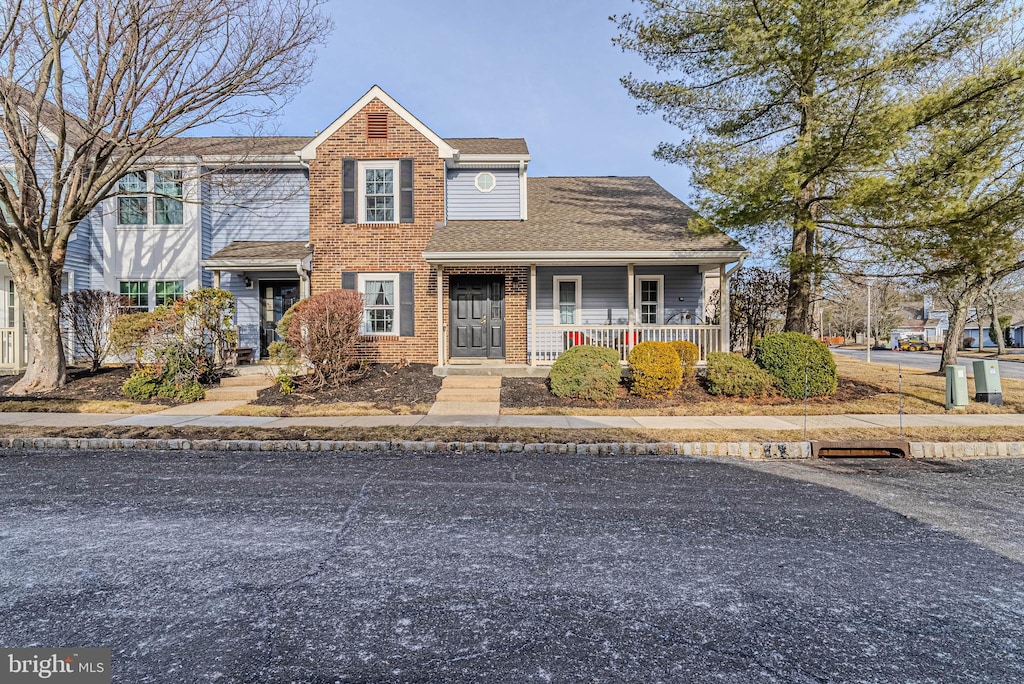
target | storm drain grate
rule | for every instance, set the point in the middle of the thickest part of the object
(861, 449)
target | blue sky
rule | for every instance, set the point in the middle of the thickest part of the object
(544, 70)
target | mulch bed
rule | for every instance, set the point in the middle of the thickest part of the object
(534, 392)
(383, 385)
(82, 384)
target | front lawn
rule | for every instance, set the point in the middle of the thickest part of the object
(863, 388)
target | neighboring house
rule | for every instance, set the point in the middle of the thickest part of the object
(920, 319)
(460, 256)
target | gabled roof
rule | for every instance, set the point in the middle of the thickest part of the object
(600, 218)
(444, 150)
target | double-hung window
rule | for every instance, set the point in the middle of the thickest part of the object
(150, 198)
(135, 294)
(568, 292)
(378, 196)
(168, 291)
(380, 303)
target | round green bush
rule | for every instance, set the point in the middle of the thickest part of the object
(141, 385)
(689, 355)
(586, 372)
(798, 361)
(734, 375)
(657, 371)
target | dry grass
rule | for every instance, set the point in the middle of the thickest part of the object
(77, 406)
(341, 408)
(924, 392)
(526, 435)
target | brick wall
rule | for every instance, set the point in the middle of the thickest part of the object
(383, 247)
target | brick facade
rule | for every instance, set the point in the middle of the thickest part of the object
(396, 247)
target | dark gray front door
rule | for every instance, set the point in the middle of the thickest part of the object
(276, 297)
(477, 317)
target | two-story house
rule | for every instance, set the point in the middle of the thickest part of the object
(462, 258)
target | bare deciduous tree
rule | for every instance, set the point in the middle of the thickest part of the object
(89, 88)
(88, 315)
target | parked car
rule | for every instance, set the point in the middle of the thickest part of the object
(914, 344)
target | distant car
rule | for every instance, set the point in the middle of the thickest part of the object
(914, 344)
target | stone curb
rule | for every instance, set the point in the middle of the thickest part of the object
(746, 450)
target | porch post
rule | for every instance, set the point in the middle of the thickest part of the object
(533, 314)
(723, 299)
(440, 316)
(216, 279)
(631, 311)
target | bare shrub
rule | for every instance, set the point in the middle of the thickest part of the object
(324, 329)
(89, 316)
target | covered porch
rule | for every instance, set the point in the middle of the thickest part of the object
(511, 315)
(13, 349)
(266, 279)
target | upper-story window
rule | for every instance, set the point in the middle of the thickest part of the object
(377, 191)
(150, 198)
(485, 181)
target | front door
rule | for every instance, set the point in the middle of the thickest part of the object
(477, 317)
(276, 297)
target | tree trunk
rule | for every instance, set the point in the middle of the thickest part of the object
(798, 309)
(39, 297)
(955, 334)
(998, 330)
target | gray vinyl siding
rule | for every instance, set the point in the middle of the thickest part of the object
(247, 307)
(206, 229)
(256, 205)
(605, 293)
(465, 202)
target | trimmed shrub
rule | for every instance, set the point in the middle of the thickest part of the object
(141, 385)
(324, 331)
(689, 355)
(734, 375)
(586, 372)
(656, 369)
(797, 360)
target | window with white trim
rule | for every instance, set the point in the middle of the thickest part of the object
(378, 192)
(649, 299)
(568, 291)
(151, 198)
(485, 181)
(168, 291)
(136, 295)
(380, 303)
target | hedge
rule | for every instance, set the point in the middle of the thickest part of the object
(734, 375)
(799, 362)
(586, 372)
(657, 371)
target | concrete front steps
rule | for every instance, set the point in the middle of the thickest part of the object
(239, 388)
(468, 395)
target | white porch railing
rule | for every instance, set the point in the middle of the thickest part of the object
(552, 340)
(8, 352)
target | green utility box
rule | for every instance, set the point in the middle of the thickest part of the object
(956, 387)
(987, 386)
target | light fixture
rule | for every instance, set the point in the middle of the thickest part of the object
(248, 282)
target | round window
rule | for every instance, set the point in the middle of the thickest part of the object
(485, 181)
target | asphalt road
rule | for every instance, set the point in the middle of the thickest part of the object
(320, 568)
(1007, 368)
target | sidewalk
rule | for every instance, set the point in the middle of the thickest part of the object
(571, 422)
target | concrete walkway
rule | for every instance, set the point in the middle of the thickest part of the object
(572, 422)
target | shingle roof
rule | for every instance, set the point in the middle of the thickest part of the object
(598, 214)
(282, 251)
(230, 146)
(489, 145)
